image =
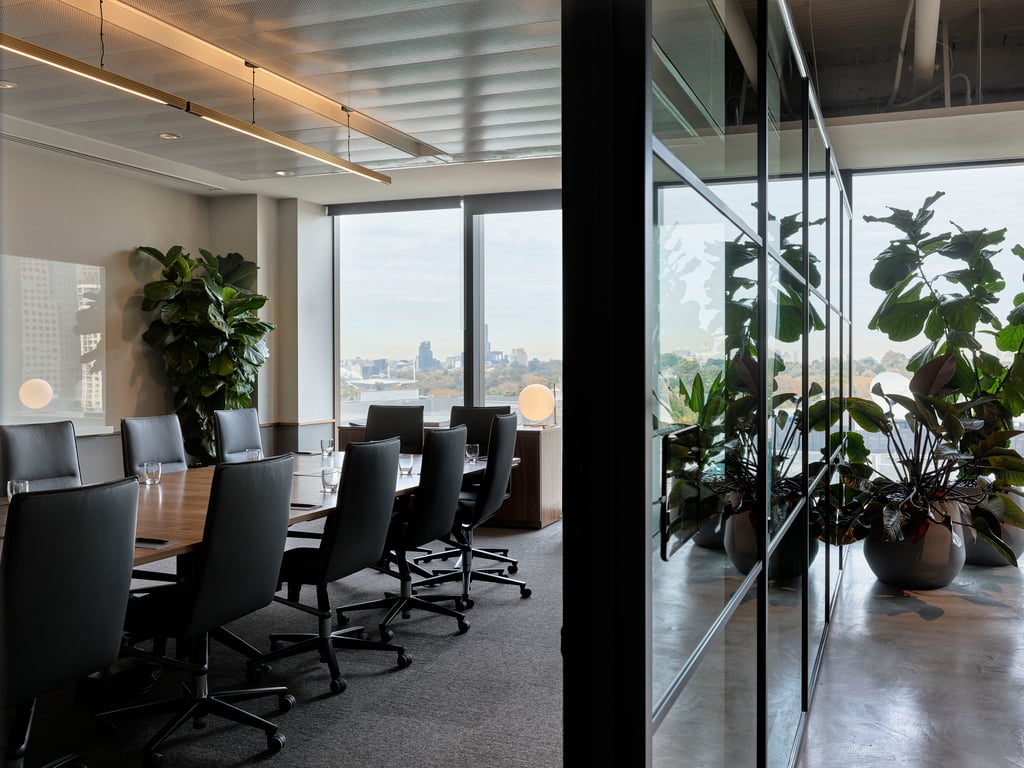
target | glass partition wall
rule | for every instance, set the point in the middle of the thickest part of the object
(746, 334)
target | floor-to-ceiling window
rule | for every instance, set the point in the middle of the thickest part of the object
(447, 301)
(400, 310)
(522, 304)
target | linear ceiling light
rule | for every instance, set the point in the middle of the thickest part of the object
(256, 132)
(99, 75)
(158, 31)
(88, 71)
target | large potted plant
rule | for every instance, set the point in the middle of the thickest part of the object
(212, 341)
(914, 510)
(943, 288)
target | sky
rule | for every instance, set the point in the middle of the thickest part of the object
(402, 283)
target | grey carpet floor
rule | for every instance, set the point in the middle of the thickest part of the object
(490, 697)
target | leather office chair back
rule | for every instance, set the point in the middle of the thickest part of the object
(495, 483)
(235, 432)
(355, 531)
(152, 438)
(45, 454)
(237, 565)
(477, 419)
(65, 572)
(437, 498)
(402, 421)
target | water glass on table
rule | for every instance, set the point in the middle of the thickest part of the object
(151, 471)
(16, 486)
(472, 452)
(405, 463)
(330, 476)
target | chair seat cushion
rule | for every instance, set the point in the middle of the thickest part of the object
(164, 610)
(300, 565)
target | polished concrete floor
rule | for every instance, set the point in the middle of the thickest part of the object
(922, 679)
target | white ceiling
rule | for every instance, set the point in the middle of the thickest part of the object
(479, 82)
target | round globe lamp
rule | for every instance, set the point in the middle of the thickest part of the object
(536, 403)
(35, 393)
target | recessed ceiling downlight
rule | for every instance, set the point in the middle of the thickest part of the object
(7, 84)
(168, 136)
(284, 173)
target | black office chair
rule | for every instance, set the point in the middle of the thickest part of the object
(61, 624)
(232, 574)
(45, 454)
(477, 419)
(152, 438)
(235, 432)
(402, 421)
(476, 506)
(353, 538)
(430, 516)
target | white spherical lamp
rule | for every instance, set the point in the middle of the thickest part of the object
(536, 402)
(35, 393)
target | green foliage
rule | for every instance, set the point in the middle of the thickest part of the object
(943, 288)
(930, 471)
(209, 334)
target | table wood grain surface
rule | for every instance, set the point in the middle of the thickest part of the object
(175, 509)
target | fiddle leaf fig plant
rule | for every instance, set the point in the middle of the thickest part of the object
(211, 338)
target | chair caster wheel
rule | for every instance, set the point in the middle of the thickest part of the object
(386, 634)
(276, 645)
(342, 619)
(459, 604)
(153, 760)
(254, 673)
(275, 742)
(513, 568)
(525, 591)
(404, 660)
(338, 685)
(285, 702)
(463, 627)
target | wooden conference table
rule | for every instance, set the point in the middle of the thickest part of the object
(175, 510)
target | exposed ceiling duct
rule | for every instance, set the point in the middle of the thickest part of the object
(926, 33)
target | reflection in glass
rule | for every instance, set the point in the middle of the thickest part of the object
(701, 270)
(52, 343)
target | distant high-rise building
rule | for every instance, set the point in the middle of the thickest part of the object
(519, 356)
(425, 360)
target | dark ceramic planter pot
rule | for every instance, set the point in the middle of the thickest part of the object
(932, 562)
(740, 543)
(980, 552)
(711, 535)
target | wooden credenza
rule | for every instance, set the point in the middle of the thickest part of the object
(536, 498)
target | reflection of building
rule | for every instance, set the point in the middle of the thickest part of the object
(91, 340)
(51, 349)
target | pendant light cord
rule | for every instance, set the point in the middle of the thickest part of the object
(103, 50)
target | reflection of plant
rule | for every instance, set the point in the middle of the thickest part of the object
(932, 482)
(209, 334)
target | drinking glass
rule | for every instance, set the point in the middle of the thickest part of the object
(405, 462)
(472, 452)
(330, 477)
(16, 486)
(252, 454)
(151, 472)
(327, 446)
